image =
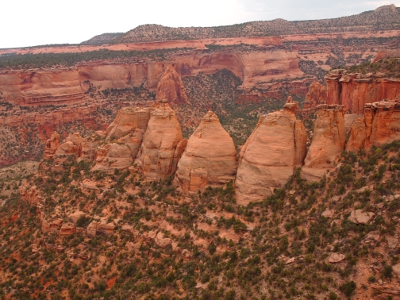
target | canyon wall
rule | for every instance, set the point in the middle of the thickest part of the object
(380, 124)
(354, 90)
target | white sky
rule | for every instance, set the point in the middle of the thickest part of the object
(39, 22)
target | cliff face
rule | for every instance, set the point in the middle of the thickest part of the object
(328, 141)
(353, 91)
(316, 95)
(276, 146)
(380, 124)
(209, 158)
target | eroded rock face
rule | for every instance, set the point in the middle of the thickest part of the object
(171, 88)
(327, 143)
(380, 124)
(162, 144)
(354, 90)
(269, 156)
(52, 145)
(209, 158)
(127, 120)
(317, 94)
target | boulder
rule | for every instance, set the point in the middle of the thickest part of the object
(336, 258)
(359, 217)
(393, 242)
(74, 217)
(209, 158)
(162, 144)
(327, 143)
(92, 229)
(396, 269)
(171, 89)
(162, 241)
(67, 229)
(270, 155)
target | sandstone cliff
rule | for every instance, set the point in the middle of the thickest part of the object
(162, 144)
(354, 90)
(380, 124)
(209, 158)
(276, 146)
(328, 141)
(316, 95)
(170, 88)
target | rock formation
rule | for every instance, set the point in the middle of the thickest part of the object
(162, 144)
(354, 90)
(71, 146)
(171, 88)
(268, 158)
(128, 119)
(328, 141)
(317, 94)
(113, 156)
(52, 145)
(209, 158)
(380, 124)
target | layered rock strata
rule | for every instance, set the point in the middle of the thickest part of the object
(162, 144)
(209, 159)
(380, 124)
(354, 90)
(270, 155)
(328, 141)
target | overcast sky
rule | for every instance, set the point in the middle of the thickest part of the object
(39, 22)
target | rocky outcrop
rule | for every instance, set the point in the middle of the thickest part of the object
(113, 156)
(128, 119)
(71, 146)
(268, 158)
(209, 158)
(30, 193)
(354, 90)
(171, 88)
(162, 144)
(380, 124)
(52, 145)
(358, 216)
(100, 227)
(328, 141)
(317, 94)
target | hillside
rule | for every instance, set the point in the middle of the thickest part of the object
(104, 38)
(71, 233)
(383, 18)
